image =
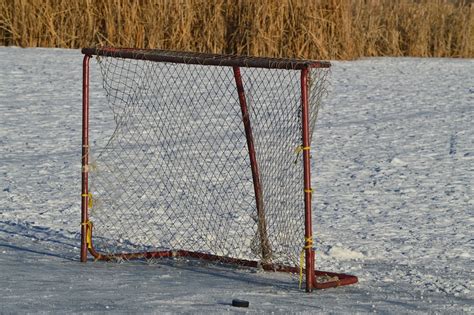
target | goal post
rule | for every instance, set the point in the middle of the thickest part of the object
(208, 157)
(261, 220)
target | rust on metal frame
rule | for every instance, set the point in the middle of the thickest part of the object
(206, 59)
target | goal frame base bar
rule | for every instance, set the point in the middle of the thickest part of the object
(342, 279)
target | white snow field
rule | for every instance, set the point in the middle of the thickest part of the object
(393, 169)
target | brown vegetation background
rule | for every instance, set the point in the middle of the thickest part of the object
(327, 29)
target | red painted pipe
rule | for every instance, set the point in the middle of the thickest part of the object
(206, 59)
(340, 278)
(309, 262)
(262, 224)
(85, 157)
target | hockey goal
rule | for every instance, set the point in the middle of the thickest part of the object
(207, 157)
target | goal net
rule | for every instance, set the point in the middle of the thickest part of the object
(205, 159)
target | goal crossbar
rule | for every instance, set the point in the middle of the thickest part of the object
(206, 59)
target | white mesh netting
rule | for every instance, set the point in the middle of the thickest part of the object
(176, 175)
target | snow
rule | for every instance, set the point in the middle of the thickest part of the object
(392, 169)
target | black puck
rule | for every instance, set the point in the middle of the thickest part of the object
(240, 303)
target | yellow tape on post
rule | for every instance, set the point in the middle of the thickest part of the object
(88, 226)
(90, 202)
(300, 149)
(308, 245)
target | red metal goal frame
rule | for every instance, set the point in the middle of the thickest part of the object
(236, 62)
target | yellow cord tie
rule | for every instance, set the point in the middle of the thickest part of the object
(300, 149)
(309, 190)
(90, 202)
(88, 226)
(308, 245)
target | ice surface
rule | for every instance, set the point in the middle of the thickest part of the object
(393, 173)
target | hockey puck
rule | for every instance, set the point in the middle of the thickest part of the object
(240, 303)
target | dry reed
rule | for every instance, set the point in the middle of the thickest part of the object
(327, 29)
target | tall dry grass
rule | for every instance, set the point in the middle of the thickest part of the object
(328, 29)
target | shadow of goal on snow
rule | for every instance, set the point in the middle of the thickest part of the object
(27, 237)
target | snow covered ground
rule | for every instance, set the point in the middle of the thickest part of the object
(394, 169)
